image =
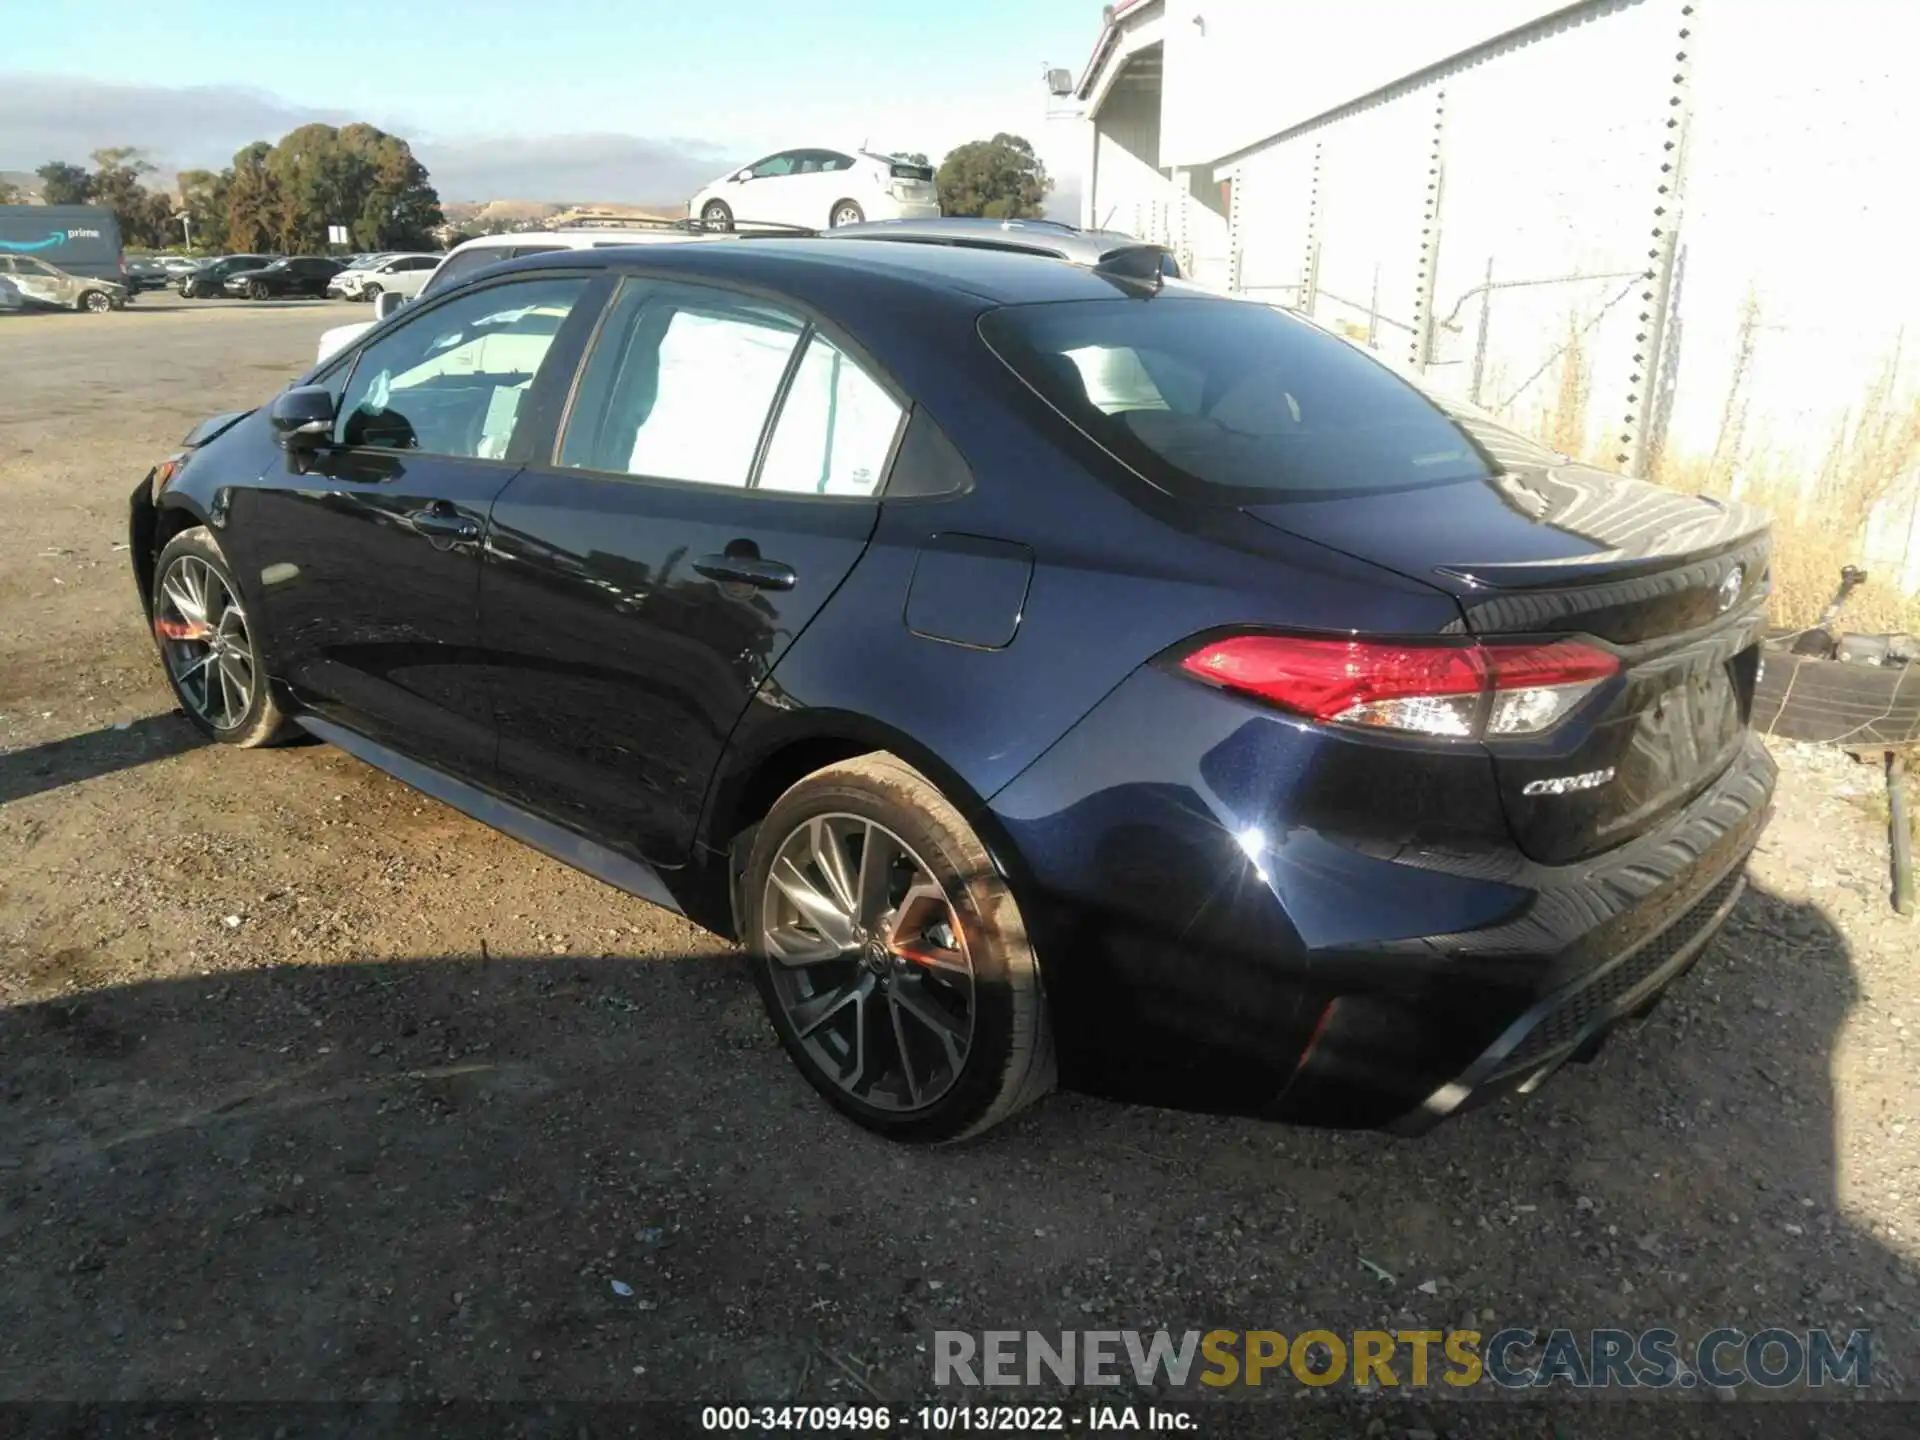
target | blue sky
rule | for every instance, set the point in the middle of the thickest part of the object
(500, 90)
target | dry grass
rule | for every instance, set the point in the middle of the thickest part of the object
(1819, 518)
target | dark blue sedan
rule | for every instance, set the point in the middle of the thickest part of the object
(1049, 673)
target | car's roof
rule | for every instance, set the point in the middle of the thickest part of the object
(1048, 237)
(816, 266)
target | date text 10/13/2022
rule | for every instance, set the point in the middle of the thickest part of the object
(946, 1419)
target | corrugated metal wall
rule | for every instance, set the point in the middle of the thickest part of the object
(1547, 149)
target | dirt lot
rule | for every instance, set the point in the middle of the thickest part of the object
(314, 1089)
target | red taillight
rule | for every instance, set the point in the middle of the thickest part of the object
(1456, 691)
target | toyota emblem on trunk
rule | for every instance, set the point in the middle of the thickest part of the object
(1731, 586)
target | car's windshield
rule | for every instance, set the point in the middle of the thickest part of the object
(1229, 401)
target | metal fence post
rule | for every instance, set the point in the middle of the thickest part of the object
(1423, 325)
(1236, 184)
(1310, 262)
(1639, 437)
(1480, 340)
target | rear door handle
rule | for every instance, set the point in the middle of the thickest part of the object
(747, 570)
(444, 524)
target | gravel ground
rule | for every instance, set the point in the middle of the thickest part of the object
(315, 1089)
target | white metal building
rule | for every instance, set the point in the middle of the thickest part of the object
(1647, 228)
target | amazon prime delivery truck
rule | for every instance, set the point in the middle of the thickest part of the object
(83, 240)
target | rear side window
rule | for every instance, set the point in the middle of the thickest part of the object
(1230, 402)
(835, 431)
(679, 385)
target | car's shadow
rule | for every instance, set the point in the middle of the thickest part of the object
(68, 761)
(424, 1178)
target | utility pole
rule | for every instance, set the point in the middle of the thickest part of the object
(186, 228)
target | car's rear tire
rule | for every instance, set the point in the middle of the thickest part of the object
(209, 648)
(907, 993)
(717, 215)
(845, 212)
(256, 290)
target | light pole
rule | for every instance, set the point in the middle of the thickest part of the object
(186, 228)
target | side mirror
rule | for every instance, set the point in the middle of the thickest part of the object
(303, 416)
(385, 303)
(744, 175)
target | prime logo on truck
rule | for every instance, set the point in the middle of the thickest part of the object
(83, 240)
(65, 256)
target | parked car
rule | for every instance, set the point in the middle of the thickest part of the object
(472, 256)
(146, 272)
(934, 619)
(210, 278)
(1025, 237)
(349, 265)
(403, 274)
(178, 265)
(42, 286)
(290, 275)
(819, 189)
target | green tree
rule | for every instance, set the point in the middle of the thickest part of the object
(402, 210)
(912, 157)
(64, 184)
(203, 196)
(9, 193)
(252, 198)
(999, 178)
(118, 184)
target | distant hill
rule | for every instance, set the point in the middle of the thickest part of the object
(537, 214)
(26, 182)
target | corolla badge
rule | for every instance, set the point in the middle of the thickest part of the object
(1731, 587)
(1568, 784)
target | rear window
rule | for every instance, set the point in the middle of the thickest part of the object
(1230, 402)
(901, 169)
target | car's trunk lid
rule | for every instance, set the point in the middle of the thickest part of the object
(1673, 584)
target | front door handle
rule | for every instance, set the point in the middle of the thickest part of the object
(747, 570)
(447, 524)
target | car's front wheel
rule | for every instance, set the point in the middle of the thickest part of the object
(368, 292)
(717, 215)
(208, 645)
(256, 289)
(97, 302)
(892, 956)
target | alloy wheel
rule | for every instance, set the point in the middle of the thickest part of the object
(847, 215)
(869, 962)
(204, 640)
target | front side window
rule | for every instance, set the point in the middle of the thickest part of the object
(836, 428)
(450, 382)
(773, 165)
(679, 385)
(1230, 402)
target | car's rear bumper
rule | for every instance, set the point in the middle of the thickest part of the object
(1230, 920)
(892, 209)
(1571, 1022)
